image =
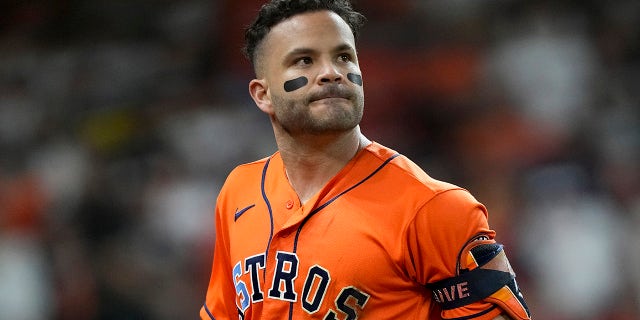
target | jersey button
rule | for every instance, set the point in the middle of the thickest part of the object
(289, 204)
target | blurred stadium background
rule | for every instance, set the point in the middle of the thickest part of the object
(119, 121)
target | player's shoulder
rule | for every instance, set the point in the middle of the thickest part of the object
(246, 172)
(256, 165)
(408, 172)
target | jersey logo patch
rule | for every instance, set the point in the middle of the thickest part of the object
(242, 211)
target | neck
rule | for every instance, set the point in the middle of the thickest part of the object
(311, 161)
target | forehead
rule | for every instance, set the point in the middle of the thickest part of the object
(308, 30)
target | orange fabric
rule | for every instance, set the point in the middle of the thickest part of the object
(365, 246)
(507, 300)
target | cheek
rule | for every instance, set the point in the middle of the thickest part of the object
(355, 78)
(295, 84)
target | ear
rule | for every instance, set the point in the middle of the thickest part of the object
(258, 89)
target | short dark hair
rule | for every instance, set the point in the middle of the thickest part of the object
(276, 11)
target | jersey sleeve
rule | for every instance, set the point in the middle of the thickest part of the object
(220, 298)
(436, 238)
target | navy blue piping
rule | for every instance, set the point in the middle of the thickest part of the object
(324, 205)
(209, 312)
(290, 310)
(266, 200)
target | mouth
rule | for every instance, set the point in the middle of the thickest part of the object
(329, 98)
(332, 93)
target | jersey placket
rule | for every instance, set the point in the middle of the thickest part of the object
(285, 236)
(287, 214)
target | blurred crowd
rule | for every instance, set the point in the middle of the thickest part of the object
(119, 121)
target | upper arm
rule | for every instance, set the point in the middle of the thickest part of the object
(451, 236)
(439, 232)
(220, 297)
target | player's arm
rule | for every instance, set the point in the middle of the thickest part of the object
(483, 276)
(456, 257)
(220, 298)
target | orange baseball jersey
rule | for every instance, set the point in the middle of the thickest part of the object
(367, 246)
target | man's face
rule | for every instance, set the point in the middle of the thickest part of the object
(308, 62)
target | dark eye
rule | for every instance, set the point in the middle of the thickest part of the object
(303, 61)
(345, 57)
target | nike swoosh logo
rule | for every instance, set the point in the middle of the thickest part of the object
(242, 211)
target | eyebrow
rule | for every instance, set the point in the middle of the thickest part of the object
(305, 51)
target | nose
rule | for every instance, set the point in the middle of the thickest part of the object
(330, 74)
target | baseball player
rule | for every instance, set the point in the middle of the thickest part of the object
(334, 226)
